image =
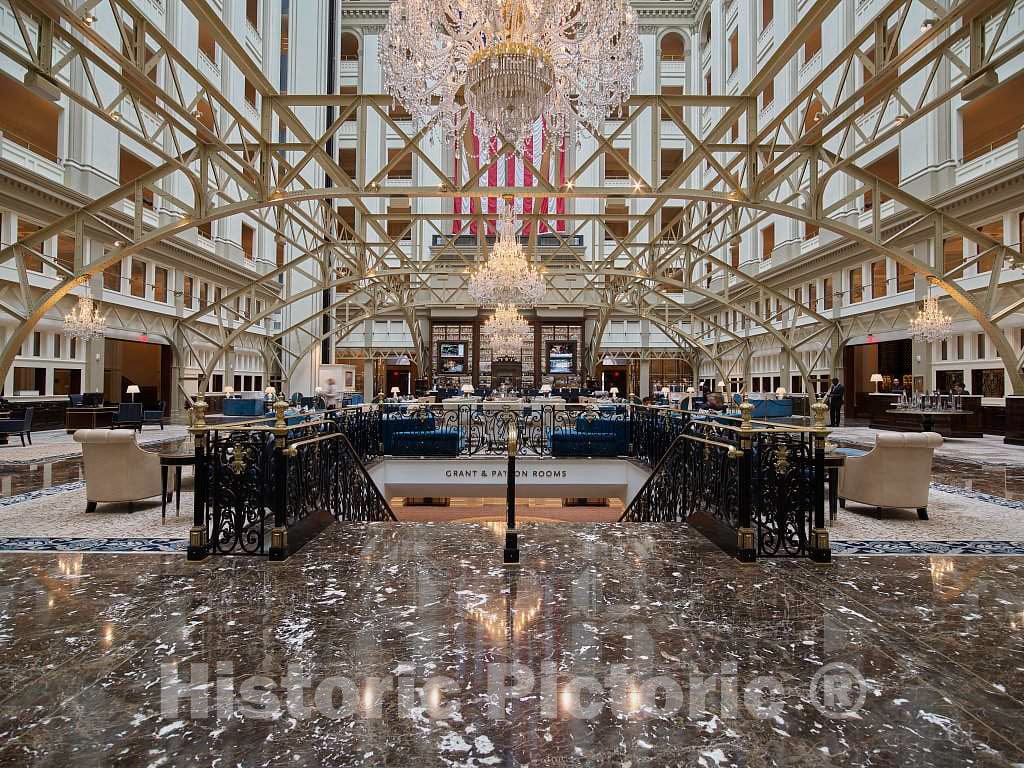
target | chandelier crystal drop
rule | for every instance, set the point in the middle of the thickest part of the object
(85, 321)
(931, 323)
(507, 277)
(510, 63)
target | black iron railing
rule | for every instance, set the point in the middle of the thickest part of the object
(264, 487)
(482, 429)
(757, 488)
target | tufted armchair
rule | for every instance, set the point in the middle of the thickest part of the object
(116, 468)
(894, 474)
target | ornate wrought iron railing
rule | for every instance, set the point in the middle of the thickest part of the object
(264, 487)
(482, 429)
(755, 487)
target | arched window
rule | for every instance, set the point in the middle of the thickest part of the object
(673, 47)
(349, 47)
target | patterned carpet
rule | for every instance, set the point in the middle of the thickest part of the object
(57, 444)
(961, 522)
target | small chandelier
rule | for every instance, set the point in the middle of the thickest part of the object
(512, 63)
(507, 277)
(931, 323)
(85, 321)
(506, 331)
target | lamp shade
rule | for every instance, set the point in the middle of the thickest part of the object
(664, 390)
(395, 390)
(467, 389)
(780, 392)
(270, 391)
(229, 390)
(876, 378)
(691, 391)
(133, 389)
(614, 391)
(545, 388)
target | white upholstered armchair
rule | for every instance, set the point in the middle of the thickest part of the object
(116, 468)
(892, 475)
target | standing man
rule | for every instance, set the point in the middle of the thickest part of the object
(834, 398)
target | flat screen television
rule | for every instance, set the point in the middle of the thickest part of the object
(452, 355)
(561, 356)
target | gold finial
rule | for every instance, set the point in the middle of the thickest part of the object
(819, 410)
(280, 406)
(746, 411)
(199, 413)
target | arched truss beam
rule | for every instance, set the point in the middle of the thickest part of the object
(51, 297)
(736, 107)
(783, 341)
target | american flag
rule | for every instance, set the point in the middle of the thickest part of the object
(510, 170)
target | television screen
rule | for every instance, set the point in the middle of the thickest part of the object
(561, 357)
(453, 365)
(453, 349)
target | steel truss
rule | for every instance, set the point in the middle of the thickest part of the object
(216, 162)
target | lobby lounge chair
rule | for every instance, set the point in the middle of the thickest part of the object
(128, 416)
(893, 475)
(116, 468)
(21, 427)
(155, 416)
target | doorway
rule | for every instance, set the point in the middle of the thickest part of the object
(135, 362)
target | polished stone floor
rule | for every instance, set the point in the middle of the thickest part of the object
(620, 627)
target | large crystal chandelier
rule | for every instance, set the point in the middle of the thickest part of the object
(507, 277)
(84, 321)
(506, 331)
(511, 62)
(931, 323)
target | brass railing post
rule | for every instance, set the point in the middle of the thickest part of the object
(198, 537)
(279, 533)
(819, 549)
(746, 549)
(511, 553)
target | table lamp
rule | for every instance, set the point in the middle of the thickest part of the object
(270, 392)
(467, 389)
(229, 391)
(722, 386)
(665, 391)
(780, 392)
(876, 379)
(545, 389)
(395, 391)
(133, 390)
(614, 392)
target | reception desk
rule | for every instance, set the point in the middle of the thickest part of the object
(88, 418)
(964, 424)
(1014, 423)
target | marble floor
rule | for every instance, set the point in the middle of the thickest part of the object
(410, 644)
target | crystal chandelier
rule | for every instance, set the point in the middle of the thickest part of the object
(931, 323)
(507, 277)
(512, 62)
(84, 321)
(505, 331)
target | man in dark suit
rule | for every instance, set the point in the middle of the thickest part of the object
(834, 398)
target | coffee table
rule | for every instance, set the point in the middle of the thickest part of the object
(178, 457)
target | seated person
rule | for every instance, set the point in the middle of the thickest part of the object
(716, 402)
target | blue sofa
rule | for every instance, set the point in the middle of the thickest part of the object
(250, 408)
(592, 437)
